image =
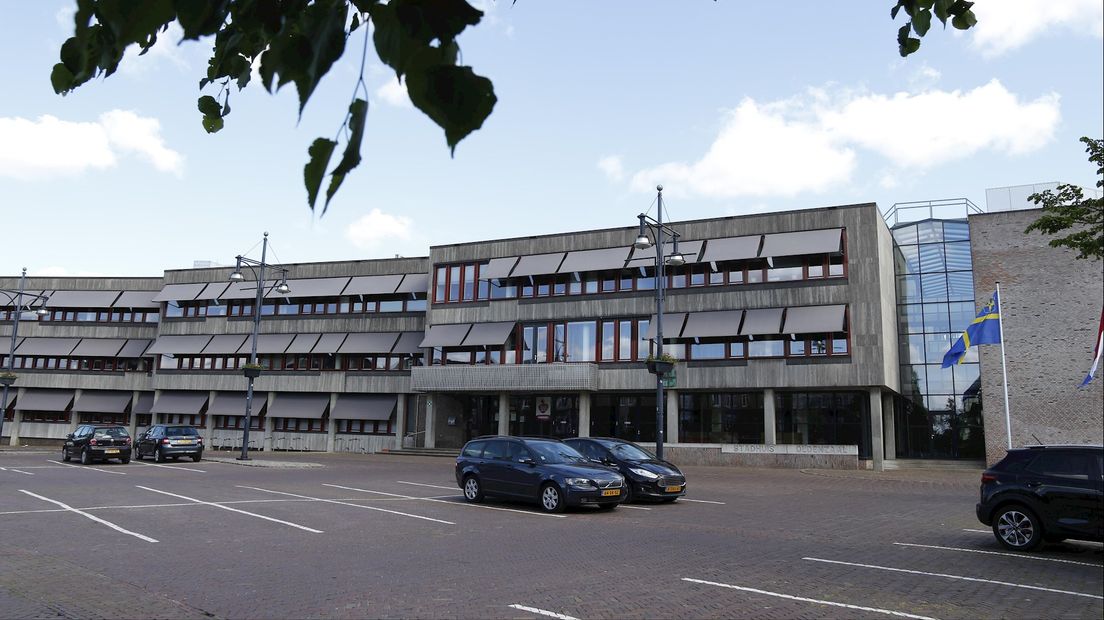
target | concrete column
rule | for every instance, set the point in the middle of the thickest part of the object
(431, 423)
(74, 417)
(877, 451)
(671, 417)
(889, 426)
(209, 426)
(269, 423)
(132, 427)
(331, 425)
(770, 436)
(13, 426)
(17, 413)
(504, 413)
(400, 419)
(154, 416)
(584, 414)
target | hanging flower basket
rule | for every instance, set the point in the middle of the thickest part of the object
(660, 365)
(7, 378)
(251, 371)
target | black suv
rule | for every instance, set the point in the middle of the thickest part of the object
(162, 441)
(646, 477)
(1044, 493)
(92, 442)
(546, 471)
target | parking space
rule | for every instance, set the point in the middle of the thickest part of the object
(392, 537)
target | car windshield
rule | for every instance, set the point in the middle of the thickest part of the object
(180, 430)
(117, 431)
(628, 452)
(554, 452)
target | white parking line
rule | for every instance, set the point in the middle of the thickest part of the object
(1011, 555)
(978, 531)
(890, 612)
(335, 501)
(700, 501)
(959, 577)
(634, 507)
(435, 499)
(89, 467)
(544, 612)
(94, 518)
(16, 471)
(169, 466)
(251, 514)
(432, 486)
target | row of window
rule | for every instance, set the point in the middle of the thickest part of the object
(462, 283)
(231, 422)
(102, 316)
(91, 364)
(301, 361)
(280, 307)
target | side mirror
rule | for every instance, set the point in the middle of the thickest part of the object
(527, 461)
(69, 436)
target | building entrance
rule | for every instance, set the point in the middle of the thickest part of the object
(545, 416)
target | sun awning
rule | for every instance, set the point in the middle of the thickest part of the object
(644, 258)
(373, 285)
(29, 299)
(414, 283)
(165, 345)
(45, 400)
(179, 292)
(761, 322)
(537, 265)
(83, 299)
(595, 260)
(814, 319)
(248, 290)
(712, 324)
(267, 343)
(225, 344)
(47, 346)
(292, 405)
(102, 401)
(329, 343)
(378, 407)
(134, 347)
(233, 403)
(803, 242)
(303, 343)
(408, 343)
(184, 403)
(497, 268)
(99, 347)
(136, 299)
(317, 287)
(143, 405)
(489, 334)
(731, 248)
(445, 335)
(672, 325)
(381, 342)
(214, 290)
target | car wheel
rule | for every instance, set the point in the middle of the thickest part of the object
(628, 493)
(86, 458)
(196, 458)
(158, 456)
(65, 454)
(1017, 528)
(136, 453)
(551, 499)
(473, 490)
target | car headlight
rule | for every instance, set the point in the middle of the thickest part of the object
(580, 482)
(644, 473)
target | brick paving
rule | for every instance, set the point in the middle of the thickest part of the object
(625, 563)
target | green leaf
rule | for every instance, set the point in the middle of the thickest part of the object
(964, 21)
(443, 20)
(61, 79)
(941, 10)
(212, 123)
(134, 22)
(405, 30)
(893, 12)
(201, 17)
(905, 43)
(355, 23)
(358, 112)
(306, 48)
(320, 152)
(921, 22)
(455, 98)
(209, 106)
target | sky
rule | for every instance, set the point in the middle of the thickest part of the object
(735, 107)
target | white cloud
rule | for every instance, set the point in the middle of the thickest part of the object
(1004, 25)
(393, 92)
(377, 226)
(50, 147)
(613, 167)
(924, 77)
(809, 143)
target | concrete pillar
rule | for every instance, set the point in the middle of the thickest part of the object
(889, 426)
(584, 414)
(431, 423)
(671, 417)
(74, 417)
(877, 451)
(153, 415)
(331, 425)
(209, 425)
(400, 419)
(269, 424)
(132, 427)
(17, 413)
(504, 413)
(770, 436)
(13, 427)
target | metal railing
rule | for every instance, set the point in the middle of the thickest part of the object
(942, 209)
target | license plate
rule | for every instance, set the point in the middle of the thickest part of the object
(611, 492)
(112, 451)
(183, 442)
(673, 489)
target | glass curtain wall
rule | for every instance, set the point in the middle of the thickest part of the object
(624, 416)
(545, 416)
(940, 415)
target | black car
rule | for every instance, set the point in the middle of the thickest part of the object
(1044, 493)
(646, 477)
(162, 441)
(97, 442)
(546, 471)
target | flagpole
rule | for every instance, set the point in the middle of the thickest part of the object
(1004, 368)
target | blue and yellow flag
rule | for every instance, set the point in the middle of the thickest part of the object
(985, 329)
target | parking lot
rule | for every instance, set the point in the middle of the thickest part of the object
(379, 536)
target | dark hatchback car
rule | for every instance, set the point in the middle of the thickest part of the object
(97, 442)
(646, 477)
(546, 471)
(1044, 493)
(163, 441)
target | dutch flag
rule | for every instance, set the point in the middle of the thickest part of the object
(1099, 348)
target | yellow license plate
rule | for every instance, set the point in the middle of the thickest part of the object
(673, 489)
(611, 492)
(111, 451)
(184, 442)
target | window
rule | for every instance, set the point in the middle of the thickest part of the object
(581, 341)
(765, 348)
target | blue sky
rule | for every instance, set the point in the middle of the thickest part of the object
(735, 107)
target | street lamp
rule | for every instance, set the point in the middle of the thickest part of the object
(15, 298)
(675, 259)
(281, 287)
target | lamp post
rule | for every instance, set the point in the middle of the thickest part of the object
(281, 287)
(675, 259)
(16, 300)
